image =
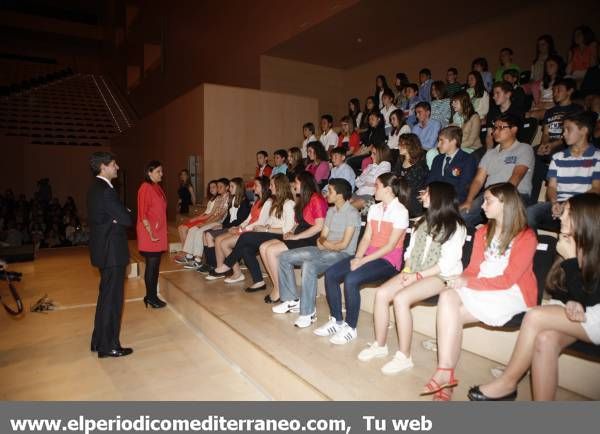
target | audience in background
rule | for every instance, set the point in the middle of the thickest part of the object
(583, 53)
(365, 183)
(400, 83)
(452, 84)
(506, 62)
(466, 118)
(554, 70)
(412, 167)
(517, 99)
(480, 97)
(186, 194)
(340, 169)
(370, 107)
(329, 138)
(380, 87)
(481, 65)
(295, 163)
(280, 161)
(426, 129)
(355, 113)
(262, 164)
(440, 103)
(412, 98)
(399, 127)
(308, 131)
(425, 83)
(318, 162)
(544, 48)
(348, 138)
(503, 106)
(388, 108)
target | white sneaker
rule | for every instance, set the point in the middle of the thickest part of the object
(344, 335)
(240, 278)
(330, 328)
(398, 364)
(306, 320)
(287, 306)
(372, 352)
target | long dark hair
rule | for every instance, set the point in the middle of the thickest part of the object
(384, 85)
(265, 191)
(560, 73)
(404, 81)
(354, 113)
(210, 196)
(320, 152)
(465, 104)
(548, 39)
(399, 186)
(588, 36)
(188, 181)
(479, 86)
(150, 167)
(399, 113)
(308, 186)
(584, 211)
(240, 192)
(442, 215)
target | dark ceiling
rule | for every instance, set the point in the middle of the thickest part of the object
(79, 11)
(374, 28)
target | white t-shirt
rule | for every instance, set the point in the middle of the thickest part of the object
(305, 143)
(329, 139)
(395, 138)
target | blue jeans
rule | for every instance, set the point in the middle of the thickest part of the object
(539, 216)
(374, 271)
(313, 262)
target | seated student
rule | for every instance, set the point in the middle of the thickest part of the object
(506, 62)
(192, 231)
(583, 53)
(552, 133)
(503, 106)
(370, 107)
(318, 162)
(510, 161)
(411, 99)
(354, 112)
(378, 256)
(308, 131)
(517, 98)
(388, 108)
(399, 127)
(336, 242)
(295, 162)
(427, 130)
(340, 169)
(280, 221)
(365, 183)
(544, 48)
(468, 120)
(433, 257)
(479, 96)
(440, 103)
(573, 171)
(280, 160)
(412, 167)
(310, 210)
(211, 197)
(452, 84)
(262, 169)
(498, 284)
(453, 166)
(480, 65)
(375, 135)
(239, 209)
(425, 83)
(547, 330)
(259, 214)
(400, 83)
(348, 138)
(328, 138)
(380, 87)
(554, 70)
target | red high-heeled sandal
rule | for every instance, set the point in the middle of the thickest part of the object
(433, 386)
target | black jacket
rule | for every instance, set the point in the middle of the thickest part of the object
(107, 218)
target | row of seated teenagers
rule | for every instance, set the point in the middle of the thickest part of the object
(498, 283)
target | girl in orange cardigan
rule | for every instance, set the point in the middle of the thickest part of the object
(498, 283)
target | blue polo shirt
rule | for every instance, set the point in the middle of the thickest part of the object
(428, 134)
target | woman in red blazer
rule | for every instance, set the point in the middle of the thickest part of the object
(151, 229)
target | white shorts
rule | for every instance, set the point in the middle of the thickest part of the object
(493, 308)
(591, 325)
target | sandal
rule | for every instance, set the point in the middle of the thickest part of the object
(433, 386)
(443, 395)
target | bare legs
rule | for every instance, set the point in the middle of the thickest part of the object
(224, 245)
(269, 252)
(183, 230)
(545, 332)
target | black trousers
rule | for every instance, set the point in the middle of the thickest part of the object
(109, 308)
(151, 273)
(246, 248)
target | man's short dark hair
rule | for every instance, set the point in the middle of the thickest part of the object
(328, 118)
(569, 83)
(281, 152)
(425, 71)
(341, 186)
(99, 158)
(510, 119)
(512, 72)
(414, 86)
(388, 93)
(263, 153)
(424, 105)
(223, 181)
(504, 85)
(339, 150)
(508, 50)
(453, 70)
(309, 126)
(583, 119)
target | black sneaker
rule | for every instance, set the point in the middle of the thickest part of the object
(204, 269)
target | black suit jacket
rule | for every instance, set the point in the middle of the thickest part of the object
(107, 218)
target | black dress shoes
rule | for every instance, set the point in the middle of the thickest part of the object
(475, 394)
(117, 352)
(155, 303)
(93, 348)
(269, 300)
(258, 288)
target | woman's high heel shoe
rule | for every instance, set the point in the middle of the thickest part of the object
(155, 303)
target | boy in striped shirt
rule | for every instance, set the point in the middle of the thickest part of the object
(573, 171)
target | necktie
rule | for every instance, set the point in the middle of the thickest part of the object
(447, 167)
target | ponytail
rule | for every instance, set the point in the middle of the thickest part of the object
(399, 186)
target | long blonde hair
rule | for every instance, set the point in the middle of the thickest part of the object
(514, 216)
(283, 193)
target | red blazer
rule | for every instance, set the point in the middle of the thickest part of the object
(353, 143)
(152, 206)
(519, 269)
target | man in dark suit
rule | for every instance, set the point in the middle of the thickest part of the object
(108, 219)
(453, 165)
